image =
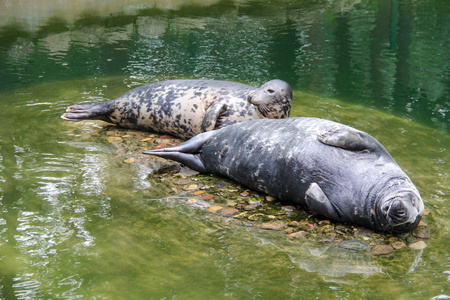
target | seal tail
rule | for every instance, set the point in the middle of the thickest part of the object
(188, 153)
(99, 111)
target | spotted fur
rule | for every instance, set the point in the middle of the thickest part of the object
(185, 108)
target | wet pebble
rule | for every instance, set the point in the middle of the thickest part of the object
(213, 209)
(245, 194)
(354, 245)
(207, 197)
(297, 235)
(418, 245)
(273, 226)
(398, 245)
(229, 212)
(382, 250)
(307, 226)
(421, 232)
(251, 207)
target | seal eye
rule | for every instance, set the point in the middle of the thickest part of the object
(271, 91)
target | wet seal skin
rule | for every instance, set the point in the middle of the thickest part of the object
(325, 167)
(185, 108)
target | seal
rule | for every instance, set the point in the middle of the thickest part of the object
(185, 108)
(325, 167)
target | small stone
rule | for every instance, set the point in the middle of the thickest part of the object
(418, 245)
(382, 250)
(354, 245)
(147, 139)
(251, 207)
(398, 245)
(166, 137)
(242, 215)
(207, 197)
(289, 208)
(394, 239)
(129, 160)
(270, 198)
(192, 200)
(421, 232)
(111, 139)
(219, 184)
(307, 226)
(273, 226)
(196, 193)
(294, 224)
(255, 217)
(181, 181)
(213, 209)
(297, 235)
(161, 146)
(289, 230)
(229, 212)
(190, 187)
(271, 217)
(325, 222)
(329, 237)
(245, 194)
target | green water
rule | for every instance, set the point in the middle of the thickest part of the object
(75, 222)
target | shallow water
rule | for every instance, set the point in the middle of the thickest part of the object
(76, 222)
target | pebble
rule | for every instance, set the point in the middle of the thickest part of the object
(245, 194)
(418, 245)
(398, 245)
(251, 207)
(229, 212)
(273, 226)
(190, 187)
(192, 200)
(325, 222)
(147, 139)
(196, 193)
(270, 198)
(129, 160)
(382, 250)
(213, 209)
(111, 139)
(294, 224)
(207, 197)
(289, 208)
(182, 181)
(255, 217)
(354, 245)
(421, 232)
(307, 226)
(297, 235)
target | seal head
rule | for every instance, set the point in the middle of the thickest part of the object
(398, 207)
(273, 99)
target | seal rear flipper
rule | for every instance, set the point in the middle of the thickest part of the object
(99, 111)
(193, 161)
(349, 139)
(212, 115)
(319, 204)
(186, 153)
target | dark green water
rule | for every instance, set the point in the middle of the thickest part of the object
(75, 222)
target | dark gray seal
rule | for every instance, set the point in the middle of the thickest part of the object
(185, 108)
(328, 168)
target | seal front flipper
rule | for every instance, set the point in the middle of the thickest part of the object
(349, 139)
(319, 204)
(212, 115)
(187, 153)
(99, 111)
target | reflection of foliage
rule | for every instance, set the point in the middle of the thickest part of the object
(386, 54)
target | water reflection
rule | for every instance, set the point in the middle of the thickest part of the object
(386, 54)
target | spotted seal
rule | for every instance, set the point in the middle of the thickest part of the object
(326, 167)
(185, 108)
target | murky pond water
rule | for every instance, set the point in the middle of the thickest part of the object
(77, 222)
